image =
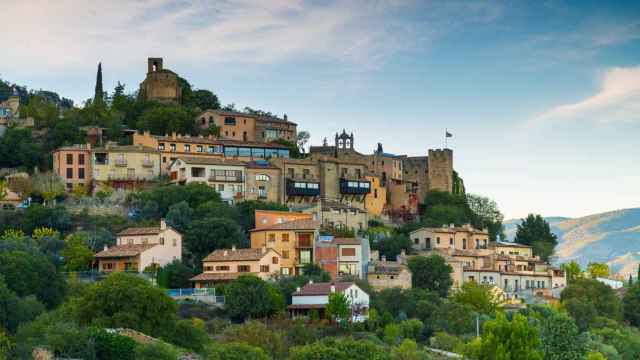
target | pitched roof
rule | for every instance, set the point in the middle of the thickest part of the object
(216, 276)
(211, 161)
(322, 288)
(304, 224)
(124, 250)
(237, 255)
(509, 244)
(347, 241)
(248, 115)
(152, 230)
(217, 141)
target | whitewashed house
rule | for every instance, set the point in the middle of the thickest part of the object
(315, 296)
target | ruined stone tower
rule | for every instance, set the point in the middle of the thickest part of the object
(440, 170)
(160, 84)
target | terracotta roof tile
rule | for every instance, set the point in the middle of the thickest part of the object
(347, 241)
(304, 224)
(322, 288)
(211, 161)
(124, 250)
(237, 255)
(218, 276)
(152, 230)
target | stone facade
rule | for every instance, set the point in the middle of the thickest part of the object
(161, 84)
(240, 126)
(511, 267)
(440, 170)
(263, 182)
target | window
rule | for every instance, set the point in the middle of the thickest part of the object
(348, 252)
(172, 147)
(229, 120)
(222, 268)
(174, 242)
(187, 148)
(220, 187)
(161, 146)
(200, 148)
(272, 237)
(285, 237)
(244, 268)
(164, 159)
(464, 243)
(107, 266)
(161, 241)
(438, 240)
(375, 193)
(274, 260)
(284, 271)
(130, 241)
(416, 241)
(69, 173)
(81, 173)
(81, 159)
(451, 241)
(69, 159)
(262, 177)
(285, 254)
(203, 121)
(69, 186)
(264, 268)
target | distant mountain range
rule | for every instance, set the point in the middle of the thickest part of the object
(611, 237)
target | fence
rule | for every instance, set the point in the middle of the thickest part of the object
(207, 295)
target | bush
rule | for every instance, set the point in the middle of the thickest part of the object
(257, 334)
(236, 351)
(156, 351)
(112, 346)
(444, 341)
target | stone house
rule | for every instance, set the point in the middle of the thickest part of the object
(241, 126)
(73, 165)
(225, 265)
(263, 182)
(384, 274)
(160, 84)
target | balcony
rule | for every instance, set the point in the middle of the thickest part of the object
(304, 243)
(354, 187)
(147, 163)
(120, 162)
(223, 178)
(302, 188)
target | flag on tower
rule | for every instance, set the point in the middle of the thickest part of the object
(448, 134)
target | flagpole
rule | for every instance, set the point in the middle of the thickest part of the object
(445, 137)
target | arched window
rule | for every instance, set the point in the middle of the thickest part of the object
(262, 177)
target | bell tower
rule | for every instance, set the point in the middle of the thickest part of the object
(154, 64)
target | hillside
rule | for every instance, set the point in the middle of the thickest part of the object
(612, 237)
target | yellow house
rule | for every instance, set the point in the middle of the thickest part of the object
(225, 265)
(124, 165)
(376, 200)
(293, 240)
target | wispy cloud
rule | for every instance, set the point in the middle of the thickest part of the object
(69, 33)
(618, 99)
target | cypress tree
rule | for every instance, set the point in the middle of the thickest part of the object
(98, 98)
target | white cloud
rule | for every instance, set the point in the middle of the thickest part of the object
(618, 99)
(47, 36)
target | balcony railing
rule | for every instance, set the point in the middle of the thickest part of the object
(147, 163)
(120, 162)
(305, 243)
(302, 188)
(225, 178)
(354, 187)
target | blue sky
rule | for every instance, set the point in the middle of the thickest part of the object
(543, 98)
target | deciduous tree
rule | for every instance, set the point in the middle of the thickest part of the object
(431, 273)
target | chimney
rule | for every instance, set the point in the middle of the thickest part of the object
(173, 135)
(106, 248)
(383, 258)
(225, 252)
(163, 224)
(233, 248)
(333, 288)
(452, 226)
(298, 289)
(285, 117)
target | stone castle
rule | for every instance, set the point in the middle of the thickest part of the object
(161, 84)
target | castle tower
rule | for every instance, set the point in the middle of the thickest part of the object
(160, 84)
(154, 64)
(440, 170)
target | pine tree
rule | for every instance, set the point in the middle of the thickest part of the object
(98, 98)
